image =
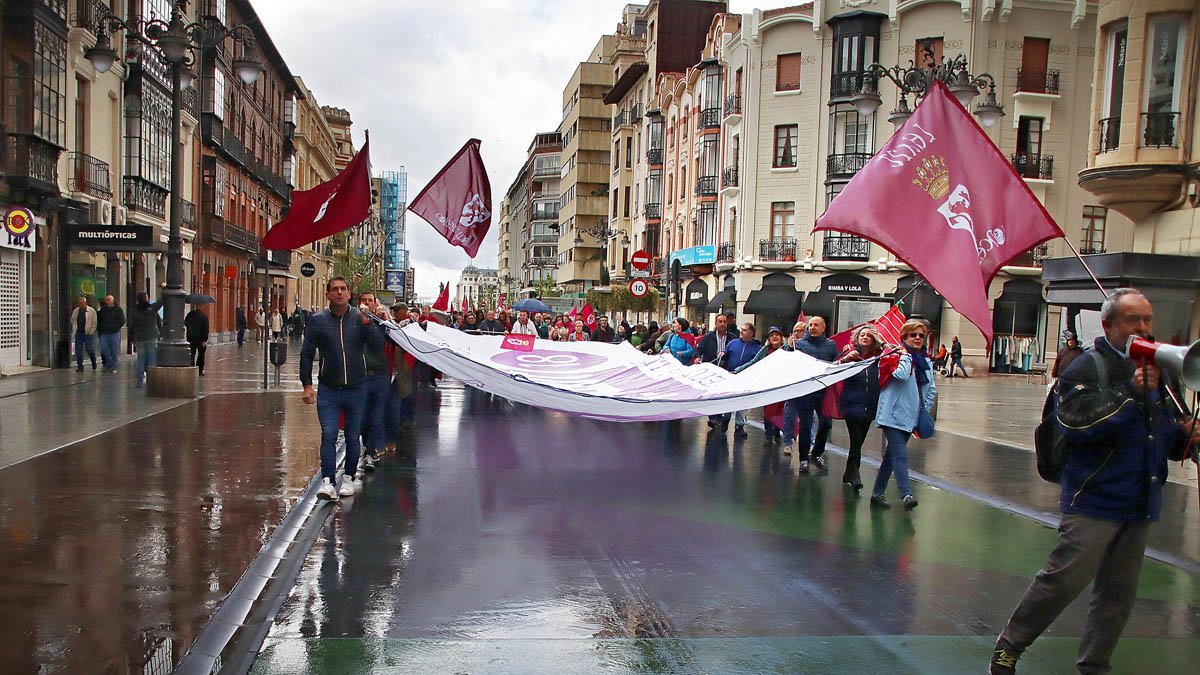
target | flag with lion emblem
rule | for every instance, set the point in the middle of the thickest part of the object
(458, 201)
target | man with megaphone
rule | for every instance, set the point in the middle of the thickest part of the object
(1119, 414)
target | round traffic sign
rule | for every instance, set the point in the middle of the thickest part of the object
(638, 288)
(308, 269)
(640, 260)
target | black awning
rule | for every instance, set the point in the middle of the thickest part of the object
(774, 301)
(728, 295)
(696, 293)
(820, 304)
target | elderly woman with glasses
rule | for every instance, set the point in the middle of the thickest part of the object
(909, 388)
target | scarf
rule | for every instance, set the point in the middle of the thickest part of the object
(920, 364)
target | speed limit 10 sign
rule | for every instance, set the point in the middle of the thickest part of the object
(638, 288)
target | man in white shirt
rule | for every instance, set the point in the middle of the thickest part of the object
(523, 326)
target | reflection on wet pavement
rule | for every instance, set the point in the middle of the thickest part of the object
(119, 548)
(508, 539)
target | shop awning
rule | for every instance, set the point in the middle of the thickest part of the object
(719, 300)
(774, 301)
(697, 294)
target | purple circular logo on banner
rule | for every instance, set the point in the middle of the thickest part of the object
(541, 360)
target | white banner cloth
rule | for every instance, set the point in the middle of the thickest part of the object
(614, 381)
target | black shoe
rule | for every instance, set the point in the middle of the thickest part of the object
(202, 373)
(877, 501)
(712, 424)
(93, 365)
(1004, 659)
(739, 431)
(852, 480)
(79, 369)
(910, 502)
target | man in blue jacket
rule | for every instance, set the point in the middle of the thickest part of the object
(1120, 432)
(738, 353)
(811, 340)
(342, 334)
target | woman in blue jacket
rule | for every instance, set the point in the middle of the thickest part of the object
(679, 347)
(910, 387)
(859, 401)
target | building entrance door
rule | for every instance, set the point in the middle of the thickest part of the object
(11, 304)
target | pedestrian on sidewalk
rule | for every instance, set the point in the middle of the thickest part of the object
(341, 334)
(110, 319)
(909, 388)
(196, 328)
(811, 340)
(859, 401)
(260, 325)
(83, 323)
(145, 327)
(739, 352)
(1120, 428)
(276, 324)
(240, 319)
(1070, 351)
(377, 385)
(956, 357)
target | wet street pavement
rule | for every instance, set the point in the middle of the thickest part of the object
(512, 540)
(505, 539)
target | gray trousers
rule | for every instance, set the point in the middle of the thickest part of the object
(1088, 549)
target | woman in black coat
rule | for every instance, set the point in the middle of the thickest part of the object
(860, 398)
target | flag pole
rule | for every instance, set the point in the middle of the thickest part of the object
(1103, 291)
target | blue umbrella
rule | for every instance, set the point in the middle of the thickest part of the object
(531, 305)
(200, 299)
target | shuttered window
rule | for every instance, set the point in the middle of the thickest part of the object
(787, 74)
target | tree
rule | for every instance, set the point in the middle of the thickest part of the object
(617, 298)
(359, 271)
(546, 287)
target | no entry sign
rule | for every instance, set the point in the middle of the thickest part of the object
(638, 288)
(640, 260)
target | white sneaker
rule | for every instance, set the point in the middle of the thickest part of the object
(787, 450)
(367, 462)
(326, 490)
(349, 487)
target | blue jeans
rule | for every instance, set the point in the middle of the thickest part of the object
(147, 357)
(110, 347)
(957, 361)
(378, 389)
(895, 459)
(84, 342)
(331, 403)
(805, 407)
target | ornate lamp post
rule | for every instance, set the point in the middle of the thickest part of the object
(175, 40)
(601, 232)
(916, 81)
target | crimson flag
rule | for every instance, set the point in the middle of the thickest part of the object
(458, 201)
(888, 326)
(573, 312)
(588, 316)
(442, 304)
(944, 199)
(465, 305)
(329, 208)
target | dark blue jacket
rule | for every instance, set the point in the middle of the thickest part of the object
(860, 394)
(819, 348)
(342, 343)
(707, 350)
(739, 352)
(1115, 469)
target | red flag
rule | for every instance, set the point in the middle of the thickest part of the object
(573, 312)
(329, 208)
(458, 201)
(464, 305)
(964, 210)
(802, 319)
(515, 342)
(442, 304)
(888, 326)
(589, 317)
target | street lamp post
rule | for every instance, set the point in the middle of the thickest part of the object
(175, 40)
(602, 232)
(916, 81)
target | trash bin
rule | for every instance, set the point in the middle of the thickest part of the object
(277, 352)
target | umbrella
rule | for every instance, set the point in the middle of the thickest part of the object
(200, 299)
(531, 305)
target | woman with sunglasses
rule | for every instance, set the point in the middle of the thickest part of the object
(909, 388)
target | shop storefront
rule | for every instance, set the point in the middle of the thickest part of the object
(845, 301)
(1018, 327)
(775, 303)
(18, 243)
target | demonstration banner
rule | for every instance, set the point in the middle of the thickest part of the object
(614, 381)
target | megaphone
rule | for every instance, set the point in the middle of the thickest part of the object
(1184, 362)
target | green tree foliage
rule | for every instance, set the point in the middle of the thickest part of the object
(617, 298)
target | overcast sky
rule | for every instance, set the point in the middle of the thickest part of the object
(425, 76)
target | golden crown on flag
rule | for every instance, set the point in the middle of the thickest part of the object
(933, 176)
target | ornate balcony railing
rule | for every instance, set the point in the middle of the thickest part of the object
(726, 252)
(221, 232)
(89, 176)
(733, 105)
(729, 178)
(1087, 249)
(1037, 81)
(845, 85)
(191, 102)
(710, 118)
(187, 214)
(845, 247)
(543, 262)
(1040, 167)
(1110, 133)
(653, 210)
(1033, 257)
(780, 248)
(31, 162)
(89, 14)
(846, 164)
(706, 186)
(1158, 130)
(654, 156)
(142, 195)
